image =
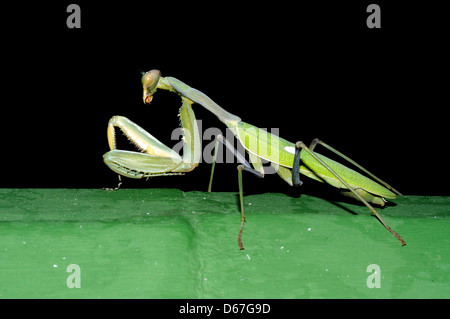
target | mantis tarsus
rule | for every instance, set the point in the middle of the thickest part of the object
(289, 159)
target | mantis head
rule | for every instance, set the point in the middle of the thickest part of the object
(150, 81)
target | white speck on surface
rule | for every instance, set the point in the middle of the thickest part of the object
(309, 229)
(282, 247)
(326, 269)
(55, 265)
(290, 149)
(248, 257)
(205, 279)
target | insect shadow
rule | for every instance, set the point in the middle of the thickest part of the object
(311, 188)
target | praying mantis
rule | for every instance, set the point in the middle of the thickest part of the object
(288, 159)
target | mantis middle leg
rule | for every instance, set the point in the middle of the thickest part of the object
(243, 166)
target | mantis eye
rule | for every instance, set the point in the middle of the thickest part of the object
(149, 81)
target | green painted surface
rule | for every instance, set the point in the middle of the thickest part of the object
(163, 243)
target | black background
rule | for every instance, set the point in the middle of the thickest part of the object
(311, 70)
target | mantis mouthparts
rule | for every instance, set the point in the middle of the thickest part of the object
(148, 98)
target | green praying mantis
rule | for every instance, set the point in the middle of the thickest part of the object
(288, 159)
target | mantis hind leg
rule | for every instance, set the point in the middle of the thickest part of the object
(300, 145)
(318, 141)
(296, 168)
